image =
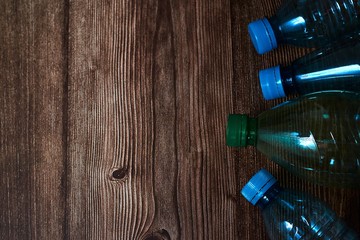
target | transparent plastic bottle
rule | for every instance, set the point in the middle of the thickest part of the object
(307, 23)
(331, 68)
(316, 136)
(293, 215)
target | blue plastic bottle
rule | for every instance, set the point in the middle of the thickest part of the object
(293, 215)
(331, 68)
(307, 23)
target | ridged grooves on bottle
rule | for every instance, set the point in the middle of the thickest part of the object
(339, 16)
(315, 23)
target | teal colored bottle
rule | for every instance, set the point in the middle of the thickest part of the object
(307, 23)
(331, 68)
(316, 136)
(293, 215)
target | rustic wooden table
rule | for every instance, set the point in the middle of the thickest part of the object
(113, 116)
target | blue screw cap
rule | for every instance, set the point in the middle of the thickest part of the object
(257, 186)
(270, 82)
(262, 36)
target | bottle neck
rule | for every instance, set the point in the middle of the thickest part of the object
(269, 196)
(251, 132)
(274, 23)
(287, 80)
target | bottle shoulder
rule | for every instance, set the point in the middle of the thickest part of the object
(316, 137)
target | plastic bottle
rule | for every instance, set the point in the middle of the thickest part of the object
(307, 23)
(332, 68)
(316, 136)
(293, 215)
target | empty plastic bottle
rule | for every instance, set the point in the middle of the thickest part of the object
(316, 136)
(293, 215)
(307, 23)
(332, 68)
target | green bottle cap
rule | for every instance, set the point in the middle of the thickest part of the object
(236, 130)
(241, 130)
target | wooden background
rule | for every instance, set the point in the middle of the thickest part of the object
(113, 115)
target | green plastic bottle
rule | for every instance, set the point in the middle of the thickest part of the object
(316, 136)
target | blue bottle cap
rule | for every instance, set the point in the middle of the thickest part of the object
(262, 35)
(257, 186)
(270, 82)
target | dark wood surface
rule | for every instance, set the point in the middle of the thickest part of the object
(33, 111)
(113, 120)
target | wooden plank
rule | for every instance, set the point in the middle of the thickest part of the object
(206, 177)
(32, 140)
(248, 99)
(149, 90)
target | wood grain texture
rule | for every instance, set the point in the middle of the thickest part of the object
(113, 120)
(149, 90)
(248, 99)
(32, 140)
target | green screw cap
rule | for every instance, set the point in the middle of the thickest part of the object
(236, 131)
